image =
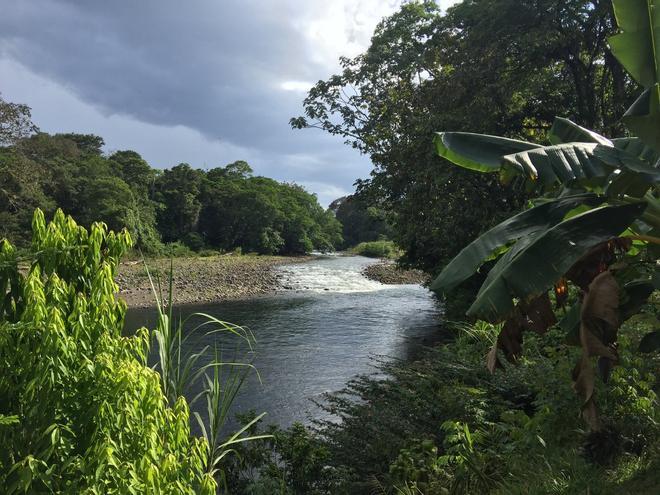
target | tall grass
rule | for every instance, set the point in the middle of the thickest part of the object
(181, 370)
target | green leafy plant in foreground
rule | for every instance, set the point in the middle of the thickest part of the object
(601, 202)
(82, 413)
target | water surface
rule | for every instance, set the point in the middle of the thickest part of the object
(317, 334)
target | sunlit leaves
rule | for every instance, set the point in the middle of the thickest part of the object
(84, 413)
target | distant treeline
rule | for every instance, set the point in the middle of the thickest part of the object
(224, 208)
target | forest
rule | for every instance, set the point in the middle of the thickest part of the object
(181, 209)
(516, 154)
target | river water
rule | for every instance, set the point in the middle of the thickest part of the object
(312, 337)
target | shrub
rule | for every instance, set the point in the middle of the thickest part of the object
(377, 249)
(80, 412)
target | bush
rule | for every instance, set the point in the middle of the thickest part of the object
(377, 249)
(80, 411)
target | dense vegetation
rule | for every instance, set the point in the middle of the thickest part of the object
(80, 412)
(572, 274)
(504, 67)
(444, 424)
(224, 208)
(361, 221)
(583, 253)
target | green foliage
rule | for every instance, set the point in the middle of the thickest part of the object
(501, 67)
(377, 249)
(360, 221)
(15, 122)
(505, 433)
(582, 247)
(189, 209)
(287, 462)
(82, 413)
(262, 215)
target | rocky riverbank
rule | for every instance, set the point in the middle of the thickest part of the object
(203, 279)
(387, 272)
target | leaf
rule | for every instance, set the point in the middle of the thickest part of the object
(538, 313)
(583, 384)
(636, 48)
(533, 220)
(620, 158)
(600, 317)
(635, 294)
(643, 117)
(598, 327)
(561, 163)
(479, 152)
(596, 260)
(636, 147)
(535, 263)
(650, 342)
(565, 131)
(535, 315)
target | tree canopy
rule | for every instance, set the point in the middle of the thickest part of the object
(224, 208)
(499, 67)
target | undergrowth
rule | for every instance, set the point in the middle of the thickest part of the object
(443, 425)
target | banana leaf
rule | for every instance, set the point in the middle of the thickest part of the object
(575, 161)
(643, 117)
(638, 45)
(637, 48)
(479, 152)
(565, 131)
(561, 163)
(535, 219)
(529, 270)
(636, 147)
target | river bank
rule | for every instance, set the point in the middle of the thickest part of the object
(387, 272)
(202, 279)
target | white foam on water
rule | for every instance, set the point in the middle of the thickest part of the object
(328, 274)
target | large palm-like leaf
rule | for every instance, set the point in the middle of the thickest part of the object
(527, 223)
(479, 152)
(594, 158)
(534, 263)
(637, 47)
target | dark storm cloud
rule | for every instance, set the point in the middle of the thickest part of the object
(210, 65)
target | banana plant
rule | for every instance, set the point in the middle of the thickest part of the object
(603, 189)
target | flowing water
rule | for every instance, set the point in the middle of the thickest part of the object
(316, 334)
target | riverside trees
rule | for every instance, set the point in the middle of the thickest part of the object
(500, 67)
(225, 208)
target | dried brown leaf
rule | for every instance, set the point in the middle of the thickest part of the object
(600, 317)
(596, 261)
(598, 327)
(538, 314)
(535, 315)
(584, 383)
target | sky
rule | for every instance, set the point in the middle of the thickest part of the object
(205, 82)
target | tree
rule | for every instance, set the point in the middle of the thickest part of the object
(493, 66)
(360, 222)
(15, 122)
(178, 190)
(134, 170)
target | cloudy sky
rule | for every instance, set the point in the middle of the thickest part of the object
(205, 82)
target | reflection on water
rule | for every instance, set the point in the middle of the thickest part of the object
(316, 335)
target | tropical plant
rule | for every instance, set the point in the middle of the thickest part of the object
(181, 370)
(80, 411)
(596, 190)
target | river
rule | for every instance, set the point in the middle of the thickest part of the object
(315, 335)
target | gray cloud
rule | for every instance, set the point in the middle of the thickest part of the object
(201, 81)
